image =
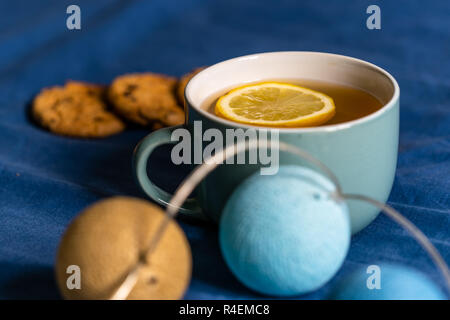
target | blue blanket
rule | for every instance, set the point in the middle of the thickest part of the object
(46, 179)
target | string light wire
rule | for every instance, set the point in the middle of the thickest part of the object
(200, 172)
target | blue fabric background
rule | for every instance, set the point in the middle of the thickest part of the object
(46, 179)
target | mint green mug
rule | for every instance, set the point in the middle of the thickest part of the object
(362, 153)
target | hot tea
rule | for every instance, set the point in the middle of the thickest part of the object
(350, 103)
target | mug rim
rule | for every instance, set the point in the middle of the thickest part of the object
(326, 128)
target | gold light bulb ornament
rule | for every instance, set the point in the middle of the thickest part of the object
(108, 241)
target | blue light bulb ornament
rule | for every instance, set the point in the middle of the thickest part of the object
(392, 282)
(285, 234)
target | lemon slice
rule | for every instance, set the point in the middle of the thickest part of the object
(276, 104)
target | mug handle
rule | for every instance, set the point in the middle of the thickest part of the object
(141, 154)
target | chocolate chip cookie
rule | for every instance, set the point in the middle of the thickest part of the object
(78, 109)
(147, 99)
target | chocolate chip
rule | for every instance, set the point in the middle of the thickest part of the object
(129, 90)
